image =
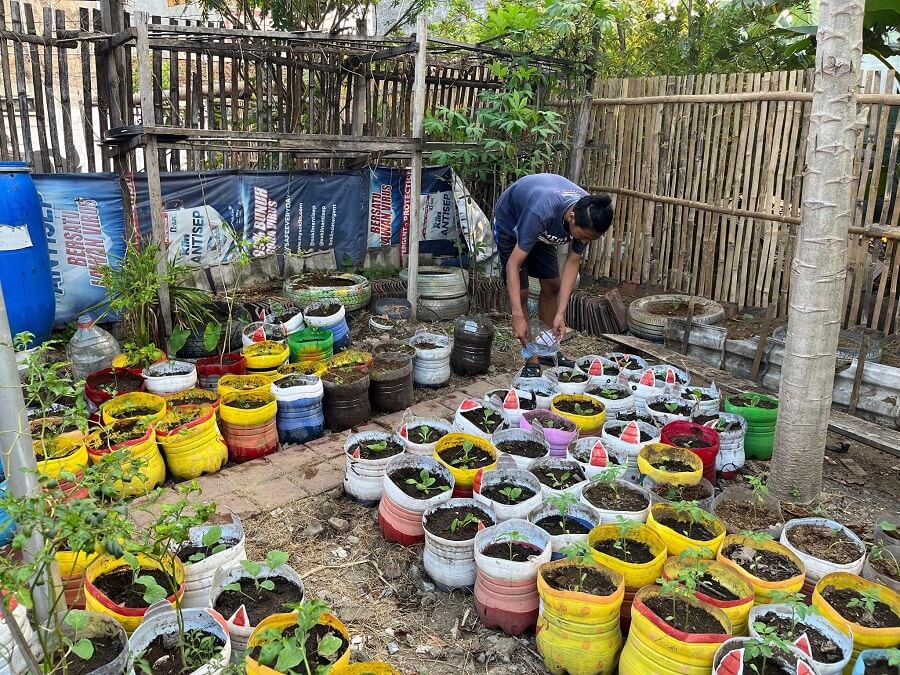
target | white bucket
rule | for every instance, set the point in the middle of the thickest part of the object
(451, 563)
(431, 367)
(517, 477)
(364, 478)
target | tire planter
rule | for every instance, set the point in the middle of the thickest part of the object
(645, 321)
(451, 563)
(653, 646)
(586, 424)
(506, 435)
(443, 292)
(335, 323)
(118, 408)
(506, 594)
(195, 347)
(732, 429)
(760, 433)
(164, 378)
(729, 659)
(399, 515)
(593, 456)
(517, 477)
(673, 430)
(391, 389)
(311, 345)
(131, 381)
(738, 611)
(816, 568)
(243, 384)
(559, 436)
(583, 513)
(161, 620)
(423, 449)
(350, 290)
(610, 516)
(263, 358)
(364, 478)
(199, 575)
(614, 406)
(653, 454)
(472, 341)
(579, 633)
(764, 589)
(299, 416)
(149, 468)
(193, 448)
(661, 419)
(431, 367)
(249, 433)
(557, 463)
(619, 436)
(464, 479)
(676, 543)
(346, 405)
(542, 388)
(285, 622)
(211, 368)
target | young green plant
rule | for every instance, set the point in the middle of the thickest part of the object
(287, 651)
(274, 560)
(425, 483)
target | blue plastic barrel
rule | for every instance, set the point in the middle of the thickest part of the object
(24, 256)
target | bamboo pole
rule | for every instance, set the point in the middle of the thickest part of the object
(415, 167)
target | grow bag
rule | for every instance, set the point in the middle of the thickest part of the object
(11, 659)
(729, 659)
(622, 436)
(676, 543)
(586, 424)
(513, 435)
(72, 565)
(679, 429)
(426, 449)
(472, 340)
(211, 368)
(193, 448)
(249, 434)
(463, 479)
(311, 345)
(760, 425)
(764, 590)
(69, 456)
(583, 514)
(731, 455)
(195, 396)
(594, 457)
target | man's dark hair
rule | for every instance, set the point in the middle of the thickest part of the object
(594, 212)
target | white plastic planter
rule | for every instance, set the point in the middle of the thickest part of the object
(581, 512)
(709, 407)
(731, 455)
(739, 493)
(614, 406)
(730, 654)
(517, 477)
(663, 418)
(557, 463)
(294, 324)
(508, 570)
(813, 620)
(310, 389)
(11, 660)
(611, 516)
(449, 563)
(596, 367)
(364, 478)
(592, 455)
(159, 381)
(259, 331)
(705, 504)
(870, 573)
(674, 378)
(160, 619)
(816, 568)
(403, 500)
(508, 403)
(520, 435)
(326, 321)
(644, 385)
(465, 426)
(431, 367)
(568, 387)
(426, 449)
(625, 437)
(198, 576)
(543, 388)
(619, 358)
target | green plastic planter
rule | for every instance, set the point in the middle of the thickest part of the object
(760, 425)
(311, 344)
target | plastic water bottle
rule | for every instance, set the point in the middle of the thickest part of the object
(90, 349)
(543, 342)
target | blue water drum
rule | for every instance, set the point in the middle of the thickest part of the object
(24, 256)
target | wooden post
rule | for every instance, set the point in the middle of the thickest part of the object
(359, 89)
(688, 324)
(764, 334)
(151, 165)
(582, 126)
(415, 167)
(860, 371)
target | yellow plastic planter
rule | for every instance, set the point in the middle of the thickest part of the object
(266, 355)
(863, 637)
(130, 617)
(676, 543)
(587, 424)
(655, 648)
(192, 448)
(248, 416)
(350, 358)
(121, 407)
(65, 455)
(284, 622)
(579, 633)
(121, 360)
(195, 396)
(464, 478)
(243, 384)
(655, 453)
(367, 668)
(737, 611)
(636, 575)
(143, 471)
(763, 590)
(316, 368)
(71, 571)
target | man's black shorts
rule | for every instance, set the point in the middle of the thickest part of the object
(541, 263)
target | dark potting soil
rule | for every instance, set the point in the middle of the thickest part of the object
(340, 376)
(120, 433)
(576, 408)
(324, 310)
(424, 434)
(634, 416)
(564, 478)
(672, 466)
(690, 441)
(682, 493)
(441, 523)
(573, 376)
(185, 553)
(569, 578)
(475, 458)
(530, 449)
(135, 411)
(685, 616)
(746, 402)
(824, 649)
(494, 493)
(710, 586)
(422, 344)
(118, 382)
(488, 424)
(765, 565)
(555, 525)
(106, 648)
(760, 665)
(660, 406)
(314, 637)
(516, 551)
(886, 565)
(316, 279)
(882, 617)
(603, 496)
(119, 586)
(609, 394)
(400, 476)
(743, 516)
(258, 602)
(376, 449)
(688, 528)
(825, 543)
(880, 666)
(631, 551)
(247, 403)
(163, 655)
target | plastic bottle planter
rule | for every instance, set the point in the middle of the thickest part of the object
(99, 628)
(543, 389)
(619, 499)
(600, 371)
(753, 560)
(240, 624)
(761, 412)
(465, 456)
(59, 457)
(654, 646)
(677, 530)
(881, 566)
(644, 385)
(330, 316)
(263, 358)
(248, 425)
(189, 440)
(675, 379)
(477, 419)
(143, 467)
(170, 377)
(864, 637)
(507, 556)
(586, 412)
(558, 431)
(731, 429)
(814, 621)
(449, 553)
(431, 366)
(629, 364)
(702, 441)
(200, 572)
(708, 400)
(887, 530)
(133, 405)
(195, 396)
(421, 434)
(558, 475)
(729, 659)
(11, 659)
(629, 437)
(102, 385)
(243, 384)
(666, 464)
(130, 617)
(565, 526)
(285, 622)
(472, 341)
(617, 398)
(260, 331)
(391, 386)
(736, 500)
(346, 403)
(211, 368)
(510, 403)
(299, 402)
(316, 368)
(701, 492)
(523, 446)
(737, 609)
(509, 493)
(412, 484)
(869, 659)
(569, 380)
(578, 633)
(161, 620)
(665, 408)
(594, 457)
(313, 345)
(799, 533)
(367, 455)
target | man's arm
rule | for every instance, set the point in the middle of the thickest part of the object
(514, 288)
(566, 286)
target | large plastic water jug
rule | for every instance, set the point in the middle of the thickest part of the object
(543, 342)
(90, 349)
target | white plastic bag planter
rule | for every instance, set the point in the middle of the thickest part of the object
(612, 515)
(708, 400)
(813, 620)
(496, 568)
(442, 427)
(560, 466)
(592, 455)
(683, 408)
(466, 426)
(506, 438)
(569, 380)
(622, 436)
(364, 477)
(732, 429)
(509, 479)
(816, 568)
(583, 514)
(616, 397)
(450, 563)
(600, 370)
(628, 364)
(199, 575)
(510, 403)
(161, 620)
(543, 388)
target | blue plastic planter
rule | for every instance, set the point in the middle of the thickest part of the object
(859, 668)
(7, 526)
(300, 421)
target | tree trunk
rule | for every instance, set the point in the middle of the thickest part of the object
(820, 261)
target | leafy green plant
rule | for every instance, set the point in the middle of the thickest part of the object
(466, 460)
(764, 647)
(489, 419)
(274, 560)
(511, 492)
(691, 511)
(557, 482)
(210, 540)
(756, 538)
(800, 611)
(426, 483)
(286, 650)
(624, 527)
(867, 601)
(511, 537)
(893, 657)
(609, 475)
(585, 409)
(672, 406)
(459, 523)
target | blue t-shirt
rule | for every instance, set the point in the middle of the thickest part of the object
(532, 209)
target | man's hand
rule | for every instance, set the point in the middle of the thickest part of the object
(559, 326)
(520, 329)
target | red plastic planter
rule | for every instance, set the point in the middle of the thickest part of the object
(250, 442)
(511, 606)
(211, 368)
(707, 455)
(399, 525)
(98, 396)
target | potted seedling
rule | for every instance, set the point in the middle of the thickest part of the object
(766, 565)
(420, 434)
(523, 446)
(509, 493)
(666, 464)
(868, 611)
(760, 412)
(569, 380)
(684, 526)
(102, 385)
(557, 430)
(478, 420)
(592, 455)
(565, 519)
(706, 399)
(558, 475)
(586, 412)
(875, 661)
(755, 509)
(367, 455)
(764, 655)
(883, 565)
(411, 485)
(613, 497)
(209, 548)
(465, 456)
(824, 546)
(450, 530)
(732, 430)
(616, 397)
(665, 408)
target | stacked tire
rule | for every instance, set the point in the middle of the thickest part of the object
(443, 292)
(647, 321)
(353, 293)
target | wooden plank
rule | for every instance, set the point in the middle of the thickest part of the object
(8, 102)
(175, 118)
(858, 376)
(854, 428)
(71, 161)
(764, 334)
(45, 162)
(101, 69)
(55, 158)
(415, 167)
(87, 93)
